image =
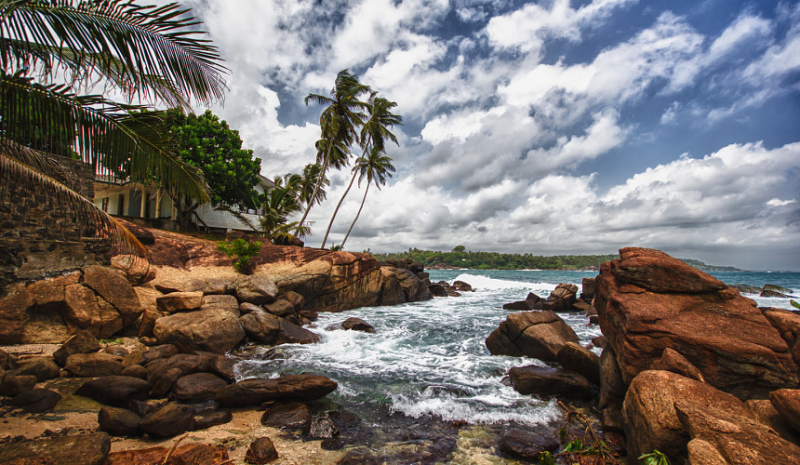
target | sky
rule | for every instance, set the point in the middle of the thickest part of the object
(549, 127)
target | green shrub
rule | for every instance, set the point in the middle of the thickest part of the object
(654, 458)
(241, 251)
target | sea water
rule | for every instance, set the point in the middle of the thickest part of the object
(428, 360)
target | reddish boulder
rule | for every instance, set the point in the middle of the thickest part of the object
(213, 330)
(180, 301)
(648, 301)
(114, 289)
(533, 334)
(787, 403)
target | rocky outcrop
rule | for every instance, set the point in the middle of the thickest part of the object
(533, 334)
(648, 301)
(561, 298)
(212, 330)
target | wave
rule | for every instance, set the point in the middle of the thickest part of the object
(483, 283)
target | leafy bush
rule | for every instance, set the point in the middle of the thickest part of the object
(241, 251)
(654, 458)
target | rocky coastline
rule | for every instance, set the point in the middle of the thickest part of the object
(130, 365)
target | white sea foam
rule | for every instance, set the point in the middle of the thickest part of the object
(486, 283)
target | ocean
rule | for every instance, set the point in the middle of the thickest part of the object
(427, 363)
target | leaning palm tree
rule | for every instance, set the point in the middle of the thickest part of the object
(277, 205)
(373, 134)
(50, 48)
(376, 167)
(338, 123)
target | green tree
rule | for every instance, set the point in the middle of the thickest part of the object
(376, 167)
(459, 249)
(373, 134)
(231, 172)
(338, 123)
(142, 51)
(277, 205)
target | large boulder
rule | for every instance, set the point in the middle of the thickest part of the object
(179, 301)
(562, 298)
(533, 334)
(648, 301)
(169, 420)
(119, 422)
(197, 387)
(94, 364)
(162, 373)
(114, 390)
(266, 328)
(212, 330)
(546, 381)
(114, 289)
(576, 358)
(252, 392)
(256, 289)
(787, 404)
(81, 343)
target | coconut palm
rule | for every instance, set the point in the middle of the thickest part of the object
(277, 205)
(375, 167)
(373, 134)
(338, 123)
(144, 52)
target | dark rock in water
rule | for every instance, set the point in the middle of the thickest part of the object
(83, 449)
(562, 298)
(534, 334)
(677, 363)
(787, 403)
(747, 289)
(119, 422)
(520, 305)
(42, 368)
(169, 420)
(578, 359)
(94, 364)
(461, 286)
(291, 415)
(36, 400)
(252, 392)
(437, 290)
(261, 451)
(11, 385)
(114, 390)
(546, 381)
(81, 343)
(775, 288)
(321, 426)
(360, 456)
(209, 419)
(769, 293)
(197, 387)
(527, 445)
(357, 324)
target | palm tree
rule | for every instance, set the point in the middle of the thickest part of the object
(376, 167)
(145, 52)
(277, 205)
(373, 134)
(338, 124)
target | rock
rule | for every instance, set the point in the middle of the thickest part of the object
(225, 302)
(197, 387)
(11, 385)
(82, 449)
(612, 386)
(42, 368)
(281, 308)
(180, 301)
(270, 329)
(437, 290)
(114, 390)
(81, 343)
(290, 415)
(164, 372)
(212, 330)
(114, 289)
(119, 422)
(574, 357)
(189, 454)
(256, 289)
(135, 371)
(546, 381)
(156, 352)
(357, 324)
(533, 334)
(650, 417)
(36, 400)
(169, 420)
(251, 392)
(246, 307)
(740, 440)
(527, 445)
(763, 411)
(94, 364)
(600, 341)
(462, 286)
(261, 451)
(649, 301)
(768, 293)
(519, 305)
(787, 403)
(413, 287)
(84, 310)
(704, 453)
(677, 363)
(588, 287)
(207, 420)
(562, 298)
(321, 427)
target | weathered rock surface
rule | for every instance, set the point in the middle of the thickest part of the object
(534, 334)
(648, 301)
(169, 420)
(527, 445)
(94, 364)
(197, 387)
(42, 368)
(164, 372)
(114, 390)
(677, 363)
(289, 415)
(763, 411)
(212, 330)
(119, 422)
(321, 426)
(266, 328)
(225, 302)
(257, 290)
(357, 324)
(787, 403)
(83, 449)
(179, 301)
(546, 381)
(261, 451)
(81, 343)
(561, 298)
(574, 357)
(114, 289)
(251, 392)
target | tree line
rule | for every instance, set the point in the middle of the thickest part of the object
(459, 257)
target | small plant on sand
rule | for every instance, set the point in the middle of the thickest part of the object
(241, 251)
(654, 458)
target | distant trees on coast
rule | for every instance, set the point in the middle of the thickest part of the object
(460, 258)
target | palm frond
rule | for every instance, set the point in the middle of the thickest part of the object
(137, 41)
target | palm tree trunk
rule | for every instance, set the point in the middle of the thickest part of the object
(316, 188)
(330, 224)
(364, 199)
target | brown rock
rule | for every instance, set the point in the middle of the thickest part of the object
(280, 307)
(209, 419)
(702, 452)
(261, 451)
(270, 329)
(534, 334)
(43, 368)
(224, 302)
(114, 289)
(289, 415)
(523, 305)
(612, 387)
(156, 352)
(256, 289)
(36, 400)
(94, 364)
(11, 385)
(648, 302)
(86, 311)
(546, 381)
(170, 420)
(83, 449)
(588, 287)
(81, 343)
(293, 298)
(579, 359)
(189, 454)
(763, 411)
(114, 390)
(119, 422)
(210, 330)
(134, 371)
(677, 363)
(180, 301)
(527, 445)
(197, 387)
(562, 297)
(787, 403)
(252, 392)
(357, 324)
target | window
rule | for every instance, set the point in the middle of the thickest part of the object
(104, 204)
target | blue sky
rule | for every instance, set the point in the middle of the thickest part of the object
(543, 127)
